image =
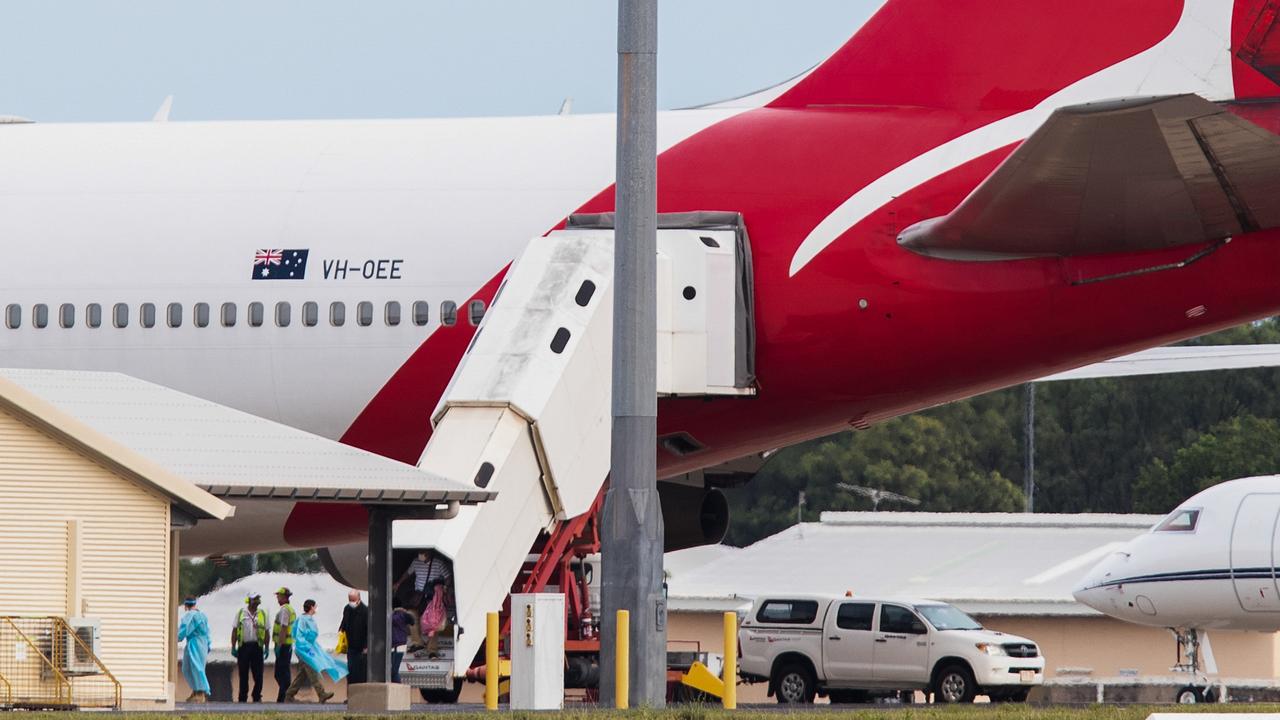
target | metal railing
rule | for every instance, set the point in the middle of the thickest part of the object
(44, 663)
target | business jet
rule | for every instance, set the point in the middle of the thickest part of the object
(965, 196)
(1209, 565)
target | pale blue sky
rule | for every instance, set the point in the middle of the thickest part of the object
(90, 60)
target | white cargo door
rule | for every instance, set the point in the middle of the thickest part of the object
(1253, 552)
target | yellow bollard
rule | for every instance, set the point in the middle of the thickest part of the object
(730, 696)
(622, 662)
(492, 663)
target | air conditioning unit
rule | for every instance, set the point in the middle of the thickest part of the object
(80, 646)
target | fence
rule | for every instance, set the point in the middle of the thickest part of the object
(46, 663)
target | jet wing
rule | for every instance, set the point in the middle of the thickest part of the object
(1120, 176)
(1180, 359)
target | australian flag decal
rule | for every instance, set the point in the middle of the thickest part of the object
(279, 264)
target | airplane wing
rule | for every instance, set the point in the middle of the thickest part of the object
(1119, 176)
(1188, 358)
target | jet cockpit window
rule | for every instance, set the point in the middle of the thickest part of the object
(13, 317)
(421, 312)
(392, 315)
(475, 311)
(147, 315)
(256, 314)
(173, 315)
(1180, 521)
(228, 314)
(67, 315)
(120, 315)
(448, 313)
(200, 315)
(40, 315)
(337, 314)
(93, 315)
(310, 313)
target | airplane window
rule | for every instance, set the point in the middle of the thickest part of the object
(256, 314)
(67, 315)
(364, 313)
(13, 316)
(40, 315)
(475, 310)
(284, 313)
(228, 314)
(1180, 521)
(93, 315)
(421, 312)
(337, 314)
(147, 315)
(448, 313)
(120, 315)
(174, 315)
(392, 315)
(310, 313)
(201, 315)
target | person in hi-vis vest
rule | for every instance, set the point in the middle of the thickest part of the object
(282, 636)
(249, 645)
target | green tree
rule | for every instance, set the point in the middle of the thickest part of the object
(199, 576)
(1239, 447)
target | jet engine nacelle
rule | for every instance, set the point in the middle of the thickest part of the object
(692, 515)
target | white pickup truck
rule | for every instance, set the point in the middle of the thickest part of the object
(854, 649)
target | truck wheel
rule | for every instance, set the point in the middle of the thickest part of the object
(954, 684)
(795, 684)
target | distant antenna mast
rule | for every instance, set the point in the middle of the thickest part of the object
(876, 495)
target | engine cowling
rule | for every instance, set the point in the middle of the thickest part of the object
(692, 515)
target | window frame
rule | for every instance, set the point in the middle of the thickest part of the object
(40, 316)
(256, 314)
(13, 316)
(201, 314)
(792, 619)
(422, 318)
(885, 607)
(338, 313)
(871, 618)
(283, 313)
(364, 313)
(147, 315)
(392, 319)
(1166, 525)
(173, 314)
(448, 313)
(310, 313)
(93, 315)
(120, 315)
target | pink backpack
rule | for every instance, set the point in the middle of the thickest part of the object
(433, 618)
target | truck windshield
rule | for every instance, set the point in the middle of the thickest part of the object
(945, 617)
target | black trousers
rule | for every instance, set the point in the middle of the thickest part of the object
(249, 660)
(357, 665)
(284, 674)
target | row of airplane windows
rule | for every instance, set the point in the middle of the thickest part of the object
(419, 314)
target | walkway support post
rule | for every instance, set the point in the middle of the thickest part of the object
(632, 533)
(379, 594)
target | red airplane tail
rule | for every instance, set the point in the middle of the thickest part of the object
(1008, 55)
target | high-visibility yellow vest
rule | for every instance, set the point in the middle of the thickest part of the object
(262, 626)
(284, 634)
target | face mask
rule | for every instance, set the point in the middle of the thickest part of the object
(354, 603)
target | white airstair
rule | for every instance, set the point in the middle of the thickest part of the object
(527, 412)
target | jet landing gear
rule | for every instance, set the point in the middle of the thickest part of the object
(1191, 655)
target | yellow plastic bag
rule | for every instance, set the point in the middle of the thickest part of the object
(342, 642)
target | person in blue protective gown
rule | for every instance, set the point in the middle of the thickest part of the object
(312, 659)
(194, 629)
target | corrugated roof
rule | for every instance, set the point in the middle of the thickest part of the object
(985, 563)
(232, 454)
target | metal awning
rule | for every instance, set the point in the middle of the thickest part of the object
(231, 454)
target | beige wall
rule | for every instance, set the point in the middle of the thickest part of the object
(123, 552)
(1108, 646)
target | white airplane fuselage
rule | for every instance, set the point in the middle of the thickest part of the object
(1209, 565)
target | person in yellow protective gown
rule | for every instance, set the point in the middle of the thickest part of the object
(312, 659)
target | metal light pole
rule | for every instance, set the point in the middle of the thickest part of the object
(632, 533)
